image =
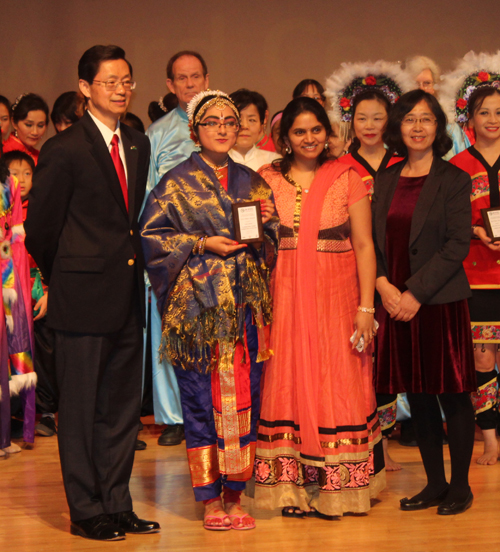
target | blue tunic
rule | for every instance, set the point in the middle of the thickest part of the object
(171, 144)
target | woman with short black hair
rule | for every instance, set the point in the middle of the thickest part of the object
(421, 225)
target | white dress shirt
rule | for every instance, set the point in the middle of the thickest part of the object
(108, 134)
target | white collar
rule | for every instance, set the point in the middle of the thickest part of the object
(248, 155)
(106, 132)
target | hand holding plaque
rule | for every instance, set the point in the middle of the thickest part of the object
(491, 219)
(247, 219)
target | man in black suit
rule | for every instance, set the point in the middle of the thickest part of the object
(82, 231)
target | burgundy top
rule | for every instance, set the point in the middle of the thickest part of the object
(397, 237)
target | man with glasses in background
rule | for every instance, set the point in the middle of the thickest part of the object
(171, 144)
(83, 233)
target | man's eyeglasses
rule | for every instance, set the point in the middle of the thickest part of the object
(112, 85)
(425, 85)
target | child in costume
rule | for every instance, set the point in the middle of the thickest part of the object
(17, 317)
(22, 167)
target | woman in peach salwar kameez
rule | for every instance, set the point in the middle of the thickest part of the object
(319, 448)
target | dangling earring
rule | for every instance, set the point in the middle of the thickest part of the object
(15, 132)
(288, 149)
(326, 145)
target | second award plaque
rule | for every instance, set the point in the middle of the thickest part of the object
(491, 219)
(247, 220)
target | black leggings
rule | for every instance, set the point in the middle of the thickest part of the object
(428, 425)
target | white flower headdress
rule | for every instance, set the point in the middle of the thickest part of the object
(471, 72)
(352, 78)
(218, 98)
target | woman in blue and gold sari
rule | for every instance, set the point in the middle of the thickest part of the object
(214, 301)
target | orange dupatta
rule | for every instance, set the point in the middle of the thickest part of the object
(305, 311)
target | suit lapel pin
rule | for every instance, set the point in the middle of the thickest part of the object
(133, 148)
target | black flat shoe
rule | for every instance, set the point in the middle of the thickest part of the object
(316, 514)
(172, 435)
(451, 508)
(410, 504)
(97, 528)
(293, 512)
(140, 445)
(130, 523)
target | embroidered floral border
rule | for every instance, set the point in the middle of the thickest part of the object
(331, 478)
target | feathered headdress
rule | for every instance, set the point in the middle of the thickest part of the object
(352, 78)
(472, 71)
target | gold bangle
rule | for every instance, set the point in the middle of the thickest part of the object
(203, 241)
(369, 310)
(197, 249)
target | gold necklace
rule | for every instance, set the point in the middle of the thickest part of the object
(216, 168)
(289, 179)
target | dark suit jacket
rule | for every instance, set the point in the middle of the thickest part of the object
(440, 231)
(79, 232)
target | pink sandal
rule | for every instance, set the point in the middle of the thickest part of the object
(214, 517)
(240, 526)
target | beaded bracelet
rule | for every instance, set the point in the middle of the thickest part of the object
(369, 310)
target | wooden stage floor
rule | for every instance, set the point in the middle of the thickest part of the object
(34, 516)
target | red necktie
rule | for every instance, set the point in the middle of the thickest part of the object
(120, 171)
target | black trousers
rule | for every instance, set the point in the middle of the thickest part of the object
(45, 368)
(99, 379)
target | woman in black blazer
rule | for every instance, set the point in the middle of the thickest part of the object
(421, 224)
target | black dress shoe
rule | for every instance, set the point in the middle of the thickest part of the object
(410, 504)
(130, 523)
(140, 445)
(447, 508)
(172, 435)
(98, 528)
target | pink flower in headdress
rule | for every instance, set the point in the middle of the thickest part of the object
(345, 103)
(371, 81)
(461, 103)
(483, 76)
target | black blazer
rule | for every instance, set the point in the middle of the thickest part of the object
(79, 232)
(440, 231)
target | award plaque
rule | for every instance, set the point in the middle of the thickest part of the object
(491, 219)
(247, 220)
